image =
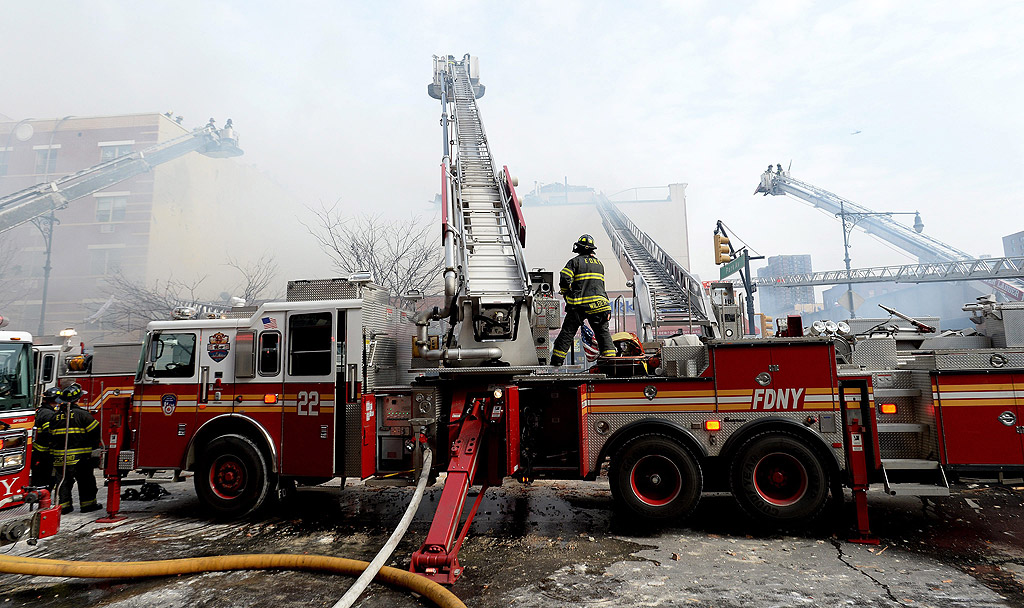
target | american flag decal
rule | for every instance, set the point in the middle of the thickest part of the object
(269, 323)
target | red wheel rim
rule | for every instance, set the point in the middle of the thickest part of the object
(780, 479)
(655, 480)
(227, 477)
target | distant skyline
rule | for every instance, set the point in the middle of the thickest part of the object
(898, 106)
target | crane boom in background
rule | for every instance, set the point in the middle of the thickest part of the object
(925, 248)
(25, 205)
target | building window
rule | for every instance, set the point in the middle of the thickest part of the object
(111, 208)
(105, 261)
(46, 161)
(112, 152)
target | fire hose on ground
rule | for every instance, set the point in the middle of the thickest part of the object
(366, 571)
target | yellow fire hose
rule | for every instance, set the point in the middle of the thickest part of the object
(394, 577)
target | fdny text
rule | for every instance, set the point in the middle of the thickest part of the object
(777, 399)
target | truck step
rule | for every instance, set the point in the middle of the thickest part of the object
(910, 489)
(904, 464)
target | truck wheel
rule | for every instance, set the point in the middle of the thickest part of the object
(778, 478)
(232, 478)
(655, 477)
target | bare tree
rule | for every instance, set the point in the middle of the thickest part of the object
(132, 304)
(401, 255)
(256, 277)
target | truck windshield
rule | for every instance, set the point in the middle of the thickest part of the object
(15, 377)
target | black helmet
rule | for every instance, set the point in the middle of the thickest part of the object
(71, 393)
(584, 244)
(50, 395)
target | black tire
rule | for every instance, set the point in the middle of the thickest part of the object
(656, 478)
(232, 477)
(778, 478)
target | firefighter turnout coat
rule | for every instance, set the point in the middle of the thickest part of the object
(82, 435)
(582, 284)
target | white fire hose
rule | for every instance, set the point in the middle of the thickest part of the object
(385, 552)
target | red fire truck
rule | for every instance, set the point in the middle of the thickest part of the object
(337, 382)
(25, 512)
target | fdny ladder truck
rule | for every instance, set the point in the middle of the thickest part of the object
(336, 382)
(35, 201)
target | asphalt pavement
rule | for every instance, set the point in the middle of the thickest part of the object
(557, 544)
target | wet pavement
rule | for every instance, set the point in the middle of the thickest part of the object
(556, 544)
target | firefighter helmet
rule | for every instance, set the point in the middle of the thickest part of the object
(50, 395)
(584, 244)
(71, 393)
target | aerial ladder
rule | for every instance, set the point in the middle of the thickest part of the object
(925, 248)
(665, 294)
(36, 201)
(488, 299)
(489, 307)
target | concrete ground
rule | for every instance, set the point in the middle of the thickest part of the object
(556, 544)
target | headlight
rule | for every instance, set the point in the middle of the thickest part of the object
(14, 461)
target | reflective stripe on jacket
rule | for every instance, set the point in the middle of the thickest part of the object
(582, 284)
(82, 435)
(44, 415)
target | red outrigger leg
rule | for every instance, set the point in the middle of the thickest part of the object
(856, 462)
(438, 559)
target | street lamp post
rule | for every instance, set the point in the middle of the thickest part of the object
(48, 229)
(849, 220)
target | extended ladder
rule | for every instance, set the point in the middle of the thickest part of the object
(487, 282)
(666, 294)
(495, 271)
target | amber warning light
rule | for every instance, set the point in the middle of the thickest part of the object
(888, 408)
(270, 399)
(712, 425)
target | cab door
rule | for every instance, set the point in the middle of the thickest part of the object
(166, 398)
(216, 391)
(307, 418)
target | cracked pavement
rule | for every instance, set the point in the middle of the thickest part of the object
(558, 544)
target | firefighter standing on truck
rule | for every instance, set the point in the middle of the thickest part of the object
(42, 458)
(73, 435)
(581, 283)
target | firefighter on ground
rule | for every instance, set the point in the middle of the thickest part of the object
(73, 435)
(42, 458)
(581, 283)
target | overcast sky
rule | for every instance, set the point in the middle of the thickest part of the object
(330, 98)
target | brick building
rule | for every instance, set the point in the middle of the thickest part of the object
(177, 220)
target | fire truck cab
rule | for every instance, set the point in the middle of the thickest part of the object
(262, 402)
(25, 511)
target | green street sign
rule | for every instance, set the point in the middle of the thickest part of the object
(734, 266)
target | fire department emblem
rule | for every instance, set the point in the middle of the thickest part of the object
(167, 403)
(219, 346)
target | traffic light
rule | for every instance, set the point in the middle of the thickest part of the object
(722, 253)
(767, 327)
